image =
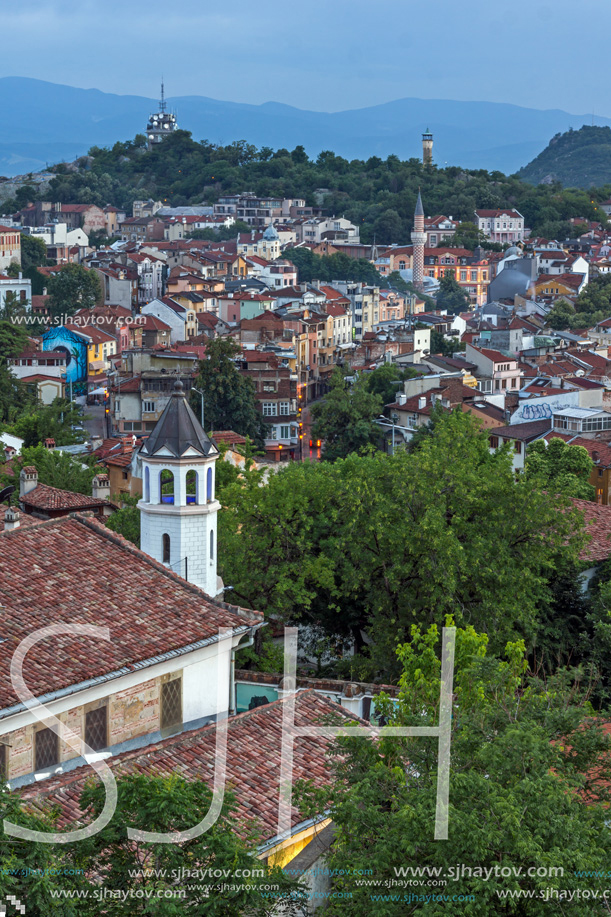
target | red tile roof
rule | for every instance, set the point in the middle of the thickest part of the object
(253, 763)
(59, 572)
(598, 526)
(228, 436)
(43, 497)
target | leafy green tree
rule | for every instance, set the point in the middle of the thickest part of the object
(126, 520)
(344, 419)
(451, 295)
(57, 469)
(33, 252)
(47, 421)
(373, 544)
(529, 789)
(559, 318)
(386, 381)
(14, 396)
(440, 344)
(468, 236)
(229, 396)
(561, 468)
(73, 288)
(168, 804)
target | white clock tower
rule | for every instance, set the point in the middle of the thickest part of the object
(178, 509)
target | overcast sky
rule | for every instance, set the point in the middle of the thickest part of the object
(326, 55)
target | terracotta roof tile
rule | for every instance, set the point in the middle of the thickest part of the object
(253, 763)
(60, 571)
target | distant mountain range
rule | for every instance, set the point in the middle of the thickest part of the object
(580, 159)
(46, 122)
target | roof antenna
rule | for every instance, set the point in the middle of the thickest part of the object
(162, 100)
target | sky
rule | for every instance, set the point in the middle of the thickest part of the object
(324, 55)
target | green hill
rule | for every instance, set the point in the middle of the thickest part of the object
(577, 159)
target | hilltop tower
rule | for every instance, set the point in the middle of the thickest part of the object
(418, 241)
(178, 509)
(162, 123)
(427, 148)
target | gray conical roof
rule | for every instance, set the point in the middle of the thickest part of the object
(419, 208)
(178, 429)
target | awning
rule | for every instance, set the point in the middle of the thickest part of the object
(97, 391)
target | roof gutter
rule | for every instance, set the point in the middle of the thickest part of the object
(125, 670)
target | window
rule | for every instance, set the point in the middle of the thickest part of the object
(463, 275)
(517, 447)
(166, 486)
(46, 749)
(3, 762)
(171, 704)
(148, 407)
(209, 495)
(494, 442)
(285, 407)
(96, 728)
(211, 545)
(147, 485)
(269, 408)
(191, 481)
(165, 548)
(285, 432)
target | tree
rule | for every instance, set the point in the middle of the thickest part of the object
(73, 287)
(344, 419)
(47, 421)
(468, 236)
(57, 469)
(560, 468)
(451, 296)
(169, 804)
(560, 316)
(126, 520)
(529, 789)
(229, 396)
(440, 344)
(33, 252)
(373, 544)
(14, 396)
(386, 381)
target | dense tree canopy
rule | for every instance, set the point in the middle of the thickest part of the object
(229, 396)
(372, 544)
(14, 396)
(561, 468)
(528, 789)
(345, 418)
(377, 194)
(73, 288)
(57, 469)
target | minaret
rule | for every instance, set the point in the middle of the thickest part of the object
(178, 509)
(418, 241)
(427, 148)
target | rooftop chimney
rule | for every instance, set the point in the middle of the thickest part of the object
(100, 487)
(28, 480)
(421, 403)
(11, 519)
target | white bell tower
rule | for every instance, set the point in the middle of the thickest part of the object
(178, 509)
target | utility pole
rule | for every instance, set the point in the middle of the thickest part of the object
(201, 395)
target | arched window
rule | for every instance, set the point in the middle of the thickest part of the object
(401, 265)
(192, 486)
(166, 486)
(209, 485)
(211, 545)
(165, 544)
(147, 485)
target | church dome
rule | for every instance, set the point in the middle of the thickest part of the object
(270, 234)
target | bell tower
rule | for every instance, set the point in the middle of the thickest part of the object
(178, 509)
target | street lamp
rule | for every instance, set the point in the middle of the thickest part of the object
(201, 394)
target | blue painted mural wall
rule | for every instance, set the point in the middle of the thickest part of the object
(74, 346)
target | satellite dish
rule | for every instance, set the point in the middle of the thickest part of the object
(7, 493)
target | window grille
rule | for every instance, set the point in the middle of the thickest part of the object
(96, 731)
(171, 704)
(46, 749)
